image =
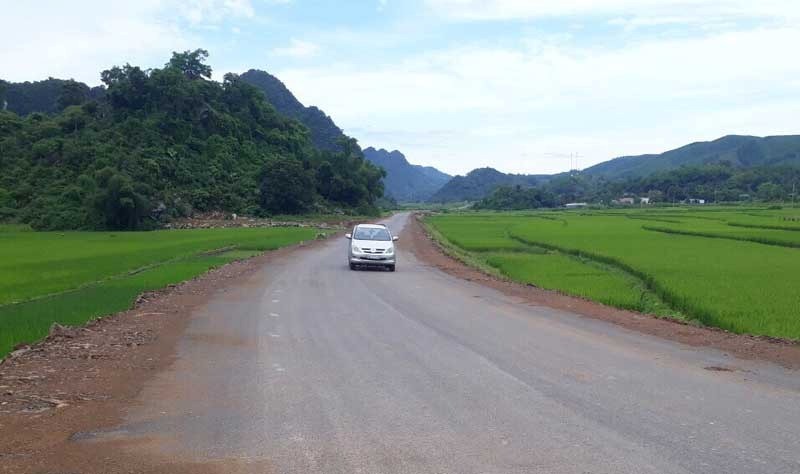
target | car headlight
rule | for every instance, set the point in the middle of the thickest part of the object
(389, 251)
(356, 249)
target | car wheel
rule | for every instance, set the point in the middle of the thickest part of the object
(391, 268)
(352, 266)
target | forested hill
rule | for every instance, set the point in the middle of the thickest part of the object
(693, 166)
(405, 182)
(736, 150)
(479, 183)
(325, 134)
(47, 96)
(167, 142)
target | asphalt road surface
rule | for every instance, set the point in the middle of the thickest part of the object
(313, 368)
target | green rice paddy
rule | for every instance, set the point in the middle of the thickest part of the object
(701, 264)
(72, 277)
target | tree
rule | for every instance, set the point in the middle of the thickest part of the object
(285, 186)
(72, 93)
(127, 86)
(170, 140)
(3, 89)
(655, 195)
(190, 63)
(769, 192)
(118, 202)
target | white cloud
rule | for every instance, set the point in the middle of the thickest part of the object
(297, 49)
(512, 106)
(471, 10)
(67, 42)
(54, 38)
(213, 11)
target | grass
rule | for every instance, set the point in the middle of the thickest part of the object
(85, 275)
(718, 280)
(33, 264)
(580, 277)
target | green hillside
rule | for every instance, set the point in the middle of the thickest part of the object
(325, 134)
(736, 150)
(168, 142)
(47, 96)
(479, 183)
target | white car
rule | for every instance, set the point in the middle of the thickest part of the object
(371, 245)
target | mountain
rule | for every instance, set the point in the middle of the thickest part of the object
(324, 132)
(47, 96)
(736, 150)
(405, 182)
(480, 182)
(167, 142)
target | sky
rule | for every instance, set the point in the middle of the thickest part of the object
(524, 86)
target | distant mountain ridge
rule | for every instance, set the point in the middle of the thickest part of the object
(325, 134)
(24, 98)
(405, 182)
(739, 150)
(479, 182)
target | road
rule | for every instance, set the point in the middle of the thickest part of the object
(313, 368)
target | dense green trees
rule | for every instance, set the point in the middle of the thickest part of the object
(712, 183)
(516, 198)
(285, 186)
(325, 134)
(47, 96)
(167, 142)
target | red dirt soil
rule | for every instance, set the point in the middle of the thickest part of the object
(82, 379)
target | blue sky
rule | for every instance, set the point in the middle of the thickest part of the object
(458, 84)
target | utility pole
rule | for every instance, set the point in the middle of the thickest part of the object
(573, 162)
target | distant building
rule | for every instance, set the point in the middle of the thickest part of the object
(644, 200)
(576, 205)
(696, 201)
(628, 201)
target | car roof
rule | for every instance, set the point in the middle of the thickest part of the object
(372, 226)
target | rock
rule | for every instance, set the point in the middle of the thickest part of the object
(19, 352)
(57, 330)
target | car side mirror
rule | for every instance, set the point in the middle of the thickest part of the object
(395, 238)
(349, 236)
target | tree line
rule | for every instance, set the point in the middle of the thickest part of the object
(169, 142)
(713, 183)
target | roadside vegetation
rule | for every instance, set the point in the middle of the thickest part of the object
(169, 142)
(704, 265)
(73, 277)
(718, 182)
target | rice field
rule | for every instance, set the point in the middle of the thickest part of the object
(72, 277)
(737, 269)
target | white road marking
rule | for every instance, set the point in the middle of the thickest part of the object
(276, 301)
(275, 315)
(274, 335)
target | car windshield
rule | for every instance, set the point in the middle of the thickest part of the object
(372, 233)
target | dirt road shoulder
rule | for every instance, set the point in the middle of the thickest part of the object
(82, 379)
